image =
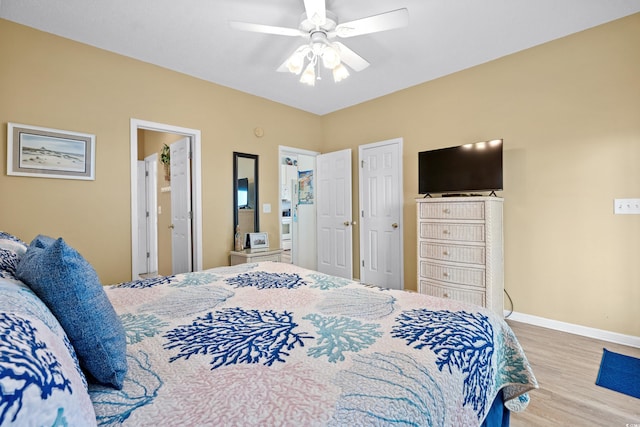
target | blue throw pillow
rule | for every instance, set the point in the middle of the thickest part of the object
(42, 241)
(70, 287)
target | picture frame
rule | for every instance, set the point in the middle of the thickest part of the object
(41, 152)
(258, 240)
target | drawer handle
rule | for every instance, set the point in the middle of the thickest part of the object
(446, 210)
(445, 274)
(445, 232)
(445, 295)
(445, 253)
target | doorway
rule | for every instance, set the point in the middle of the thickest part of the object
(297, 217)
(195, 192)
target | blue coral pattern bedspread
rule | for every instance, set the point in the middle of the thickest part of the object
(272, 344)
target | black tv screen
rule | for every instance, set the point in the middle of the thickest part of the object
(462, 169)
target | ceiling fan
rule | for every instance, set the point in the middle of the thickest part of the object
(320, 27)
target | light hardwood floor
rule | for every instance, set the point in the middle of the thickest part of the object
(566, 367)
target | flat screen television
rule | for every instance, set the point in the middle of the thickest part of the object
(460, 170)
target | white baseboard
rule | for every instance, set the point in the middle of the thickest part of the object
(630, 340)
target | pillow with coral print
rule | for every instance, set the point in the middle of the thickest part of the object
(40, 378)
(11, 250)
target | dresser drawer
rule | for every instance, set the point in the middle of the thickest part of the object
(454, 253)
(459, 275)
(263, 258)
(248, 256)
(452, 231)
(446, 210)
(443, 291)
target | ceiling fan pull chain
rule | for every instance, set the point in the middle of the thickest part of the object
(318, 76)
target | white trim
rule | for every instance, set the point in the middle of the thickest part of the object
(294, 150)
(196, 187)
(599, 334)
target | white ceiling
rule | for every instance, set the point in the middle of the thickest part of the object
(194, 37)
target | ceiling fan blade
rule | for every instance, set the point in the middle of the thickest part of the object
(266, 29)
(283, 68)
(385, 21)
(316, 11)
(352, 59)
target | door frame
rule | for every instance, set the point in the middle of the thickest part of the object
(196, 187)
(395, 141)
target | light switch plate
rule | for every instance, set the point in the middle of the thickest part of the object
(626, 206)
(266, 208)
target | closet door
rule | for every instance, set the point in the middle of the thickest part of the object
(335, 231)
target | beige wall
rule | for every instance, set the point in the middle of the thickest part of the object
(53, 82)
(569, 113)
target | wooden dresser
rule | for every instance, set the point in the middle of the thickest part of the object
(460, 249)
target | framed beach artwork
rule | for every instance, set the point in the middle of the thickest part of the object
(50, 153)
(258, 240)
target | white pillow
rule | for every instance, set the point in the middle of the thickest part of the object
(40, 377)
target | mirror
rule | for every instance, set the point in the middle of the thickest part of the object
(245, 193)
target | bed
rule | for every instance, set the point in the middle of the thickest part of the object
(264, 344)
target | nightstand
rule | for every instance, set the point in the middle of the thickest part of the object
(255, 255)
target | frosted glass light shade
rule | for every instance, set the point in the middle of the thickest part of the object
(340, 73)
(330, 57)
(295, 63)
(309, 75)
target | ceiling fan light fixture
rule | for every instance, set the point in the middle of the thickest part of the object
(319, 26)
(309, 75)
(295, 63)
(330, 57)
(340, 73)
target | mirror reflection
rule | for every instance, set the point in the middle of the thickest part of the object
(245, 194)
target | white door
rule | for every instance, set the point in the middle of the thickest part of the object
(303, 212)
(381, 243)
(180, 206)
(142, 229)
(335, 249)
(148, 220)
(295, 222)
(151, 190)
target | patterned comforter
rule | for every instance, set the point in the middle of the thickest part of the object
(274, 344)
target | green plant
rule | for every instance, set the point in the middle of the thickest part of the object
(165, 155)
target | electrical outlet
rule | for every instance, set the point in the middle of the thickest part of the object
(626, 206)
